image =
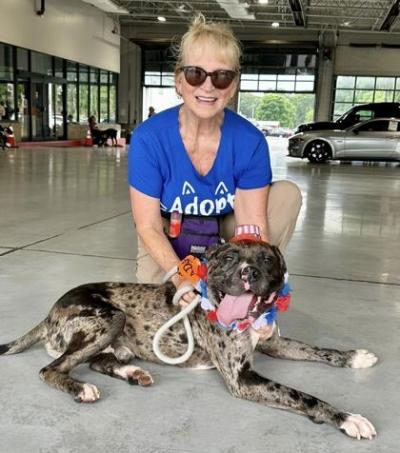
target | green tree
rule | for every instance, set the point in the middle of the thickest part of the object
(276, 107)
(247, 104)
(304, 105)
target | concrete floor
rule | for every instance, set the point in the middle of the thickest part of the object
(65, 220)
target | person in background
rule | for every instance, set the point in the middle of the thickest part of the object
(151, 112)
(203, 162)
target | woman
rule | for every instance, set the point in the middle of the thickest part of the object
(201, 158)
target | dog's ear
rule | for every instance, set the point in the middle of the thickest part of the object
(279, 256)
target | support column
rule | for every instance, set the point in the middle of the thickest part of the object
(326, 73)
(130, 86)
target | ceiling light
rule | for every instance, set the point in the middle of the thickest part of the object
(161, 19)
(275, 24)
(346, 23)
(263, 2)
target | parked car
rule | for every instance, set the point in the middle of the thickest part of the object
(376, 139)
(353, 116)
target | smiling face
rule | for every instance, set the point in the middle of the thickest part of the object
(205, 101)
(251, 268)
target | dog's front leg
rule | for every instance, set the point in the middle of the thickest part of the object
(244, 382)
(286, 348)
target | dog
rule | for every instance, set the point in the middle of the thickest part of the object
(101, 137)
(107, 324)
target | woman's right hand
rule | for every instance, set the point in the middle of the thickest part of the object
(186, 298)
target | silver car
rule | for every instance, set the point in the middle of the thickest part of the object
(376, 139)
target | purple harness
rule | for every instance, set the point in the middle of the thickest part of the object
(197, 234)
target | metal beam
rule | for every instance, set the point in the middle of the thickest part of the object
(391, 17)
(297, 11)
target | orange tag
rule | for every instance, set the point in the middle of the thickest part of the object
(188, 269)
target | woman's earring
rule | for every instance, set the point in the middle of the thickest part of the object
(179, 96)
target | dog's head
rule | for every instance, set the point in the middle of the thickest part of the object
(245, 270)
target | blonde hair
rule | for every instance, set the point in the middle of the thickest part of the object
(218, 34)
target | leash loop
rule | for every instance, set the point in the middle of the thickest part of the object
(182, 315)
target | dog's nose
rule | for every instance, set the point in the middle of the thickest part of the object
(250, 274)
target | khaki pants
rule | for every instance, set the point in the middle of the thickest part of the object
(284, 203)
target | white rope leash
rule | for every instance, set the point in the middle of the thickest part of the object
(181, 315)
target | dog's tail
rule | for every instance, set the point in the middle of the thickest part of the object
(26, 341)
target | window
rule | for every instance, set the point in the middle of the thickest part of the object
(7, 100)
(22, 59)
(6, 63)
(42, 63)
(83, 93)
(353, 90)
(72, 102)
(375, 126)
(94, 92)
(83, 102)
(104, 96)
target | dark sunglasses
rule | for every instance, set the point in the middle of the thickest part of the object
(196, 76)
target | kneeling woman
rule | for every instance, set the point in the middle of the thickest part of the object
(203, 163)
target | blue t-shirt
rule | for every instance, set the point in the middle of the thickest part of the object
(159, 166)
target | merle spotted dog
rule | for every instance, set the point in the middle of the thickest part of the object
(107, 324)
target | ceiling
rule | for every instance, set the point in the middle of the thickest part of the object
(364, 16)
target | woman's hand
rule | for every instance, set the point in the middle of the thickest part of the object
(186, 298)
(266, 331)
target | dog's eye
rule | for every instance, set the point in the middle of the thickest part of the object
(229, 258)
(265, 258)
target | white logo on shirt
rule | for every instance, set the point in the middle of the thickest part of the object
(206, 206)
(187, 188)
(221, 189)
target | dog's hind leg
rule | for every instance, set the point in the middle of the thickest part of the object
(91, 335)
(286, 348)
(107, 363)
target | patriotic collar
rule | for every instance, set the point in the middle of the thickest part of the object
(195, 271)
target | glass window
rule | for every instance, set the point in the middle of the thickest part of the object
(267, 82)
(345, 82)
(58, 67)
(167, 79)
(152, 78)
(113, 103)
(385, 83)
(285, 82)
(363, 96)
(83, 73)
(376, 126)
(104, 103)
(94, 101)
(72, 71)
(72, 102)
(41, 63)
(365, 83)
(94, 75)
(103, 76)
(341, 108)
(22, 59)
(384, 96)
(83, 102)
(7, 101)
(6, 63)
(344, 96)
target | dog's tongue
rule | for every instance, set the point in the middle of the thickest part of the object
(234, 307)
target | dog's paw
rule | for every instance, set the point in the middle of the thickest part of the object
(135, 375)
(358, 427)
(88, 394)
(363, 359)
